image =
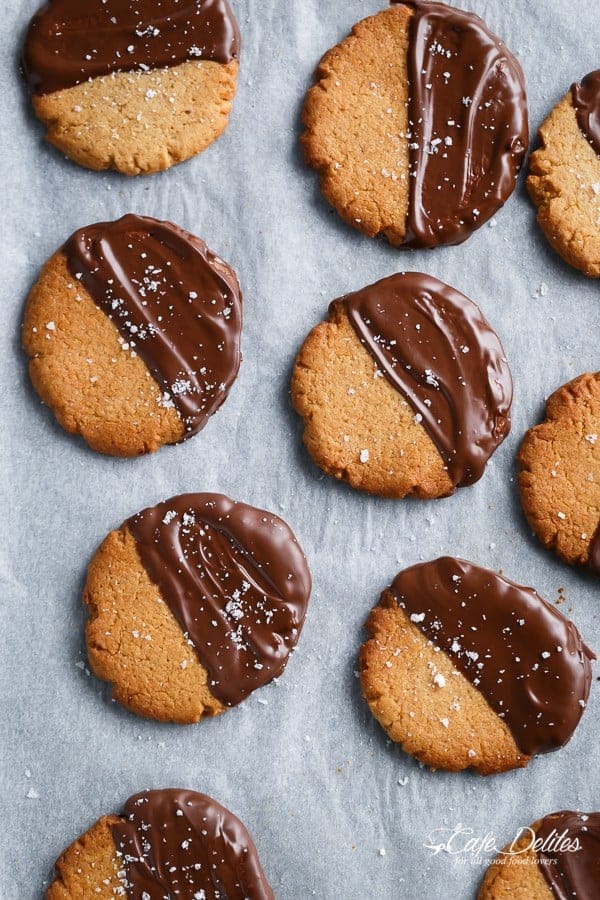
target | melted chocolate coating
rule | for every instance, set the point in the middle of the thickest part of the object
(177, 843)
(174, 302)
(586, 100)
(434, 346)
(528, 661)
(70, 41)
(467, 120)
(571, 873)
(235, 579)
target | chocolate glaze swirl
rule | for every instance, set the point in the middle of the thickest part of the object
(571, 873)
(235, 579)
(174, 302)
(177, 843)
(468, 126)
(586, 101)
(71, 41)
(434, 346)
(528, 661)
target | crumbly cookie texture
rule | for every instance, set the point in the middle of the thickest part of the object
(425, 704)
(89, 867)
(141, 122)
(564, 184)
(135, 642)
(357, 426)
(355, 118)
(81, 368)
(514, 877)
(559, 475)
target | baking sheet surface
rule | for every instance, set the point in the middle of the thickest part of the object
(337, 811)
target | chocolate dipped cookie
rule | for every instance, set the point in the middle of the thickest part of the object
(417, 124)
(466, 669)
(132, 86)
(194, 604)
(404, 389)
(556, 857)
(564, 176)
(167, 843)
(133, 332)
(559, 477)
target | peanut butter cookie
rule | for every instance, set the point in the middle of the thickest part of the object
(404, 389)
(564, 179)
(132, 87)
(194, 604)
(133, 332)
(174, 843)
(417, 124)
(464, 668)
(559, 475)
(558, 856)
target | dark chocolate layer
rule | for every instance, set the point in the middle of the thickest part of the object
(174, 302)
(528, 661)
(435, 347)
(586, 100)
(71, 41)
(235, 579)
(180, 844)
(468, 125)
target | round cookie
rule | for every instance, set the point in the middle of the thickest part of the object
(404, 389)
(420, 146)
(133, 332)
(464, 668)
(194, 604)
(132, 87)
(564, 179)
(558, 856)
(171, 842)
(559, 476)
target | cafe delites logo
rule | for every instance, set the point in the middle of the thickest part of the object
(462, 843)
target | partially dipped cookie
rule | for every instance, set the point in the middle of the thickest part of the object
(167, 843)
(417, 124)
(404, 389)
(465, 668)
(564, 176)
(133, 332)
(194, 604)
(134, 87)
(559, 477)
(556, 857)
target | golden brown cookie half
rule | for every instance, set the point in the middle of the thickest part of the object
(194, 604)
(134, 88)
(404, 389)
(421, 147)
(564, 179)
(466, 669)
(133, 332)
(558, 856)
(170, 840)
(559, 476)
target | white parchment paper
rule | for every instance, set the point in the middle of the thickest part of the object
(336, 810)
